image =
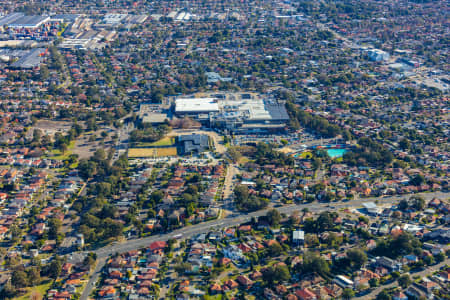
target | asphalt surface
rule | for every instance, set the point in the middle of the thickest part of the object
(233, 220)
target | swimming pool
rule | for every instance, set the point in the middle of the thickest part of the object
(336, 152)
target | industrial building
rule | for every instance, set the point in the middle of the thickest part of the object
(19, 20)
(236, 112)
(199, 109)
(114, 19)
(31, 59)
(193, 106)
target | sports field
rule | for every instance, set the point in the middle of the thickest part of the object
(151, 152)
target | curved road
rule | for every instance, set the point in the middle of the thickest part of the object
(232, 220)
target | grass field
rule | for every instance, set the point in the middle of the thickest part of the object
(164, 142)
(306, 154)
(58, 155)
(38, 290)
(152, 152)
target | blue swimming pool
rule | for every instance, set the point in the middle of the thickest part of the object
(336, 152)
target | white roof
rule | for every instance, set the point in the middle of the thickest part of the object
(298, 235)
(196, 105)
(344, 279)
(369, 205)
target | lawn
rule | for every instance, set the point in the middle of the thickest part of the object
(153, 152)
(306, 154)
(58, 155)
(167, 141)
(41, 290)
(164, 142)
(213, 297)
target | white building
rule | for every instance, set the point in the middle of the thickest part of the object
(233, 252)
(343, 281)
(298, 237)
(378, 55)
(196, 105)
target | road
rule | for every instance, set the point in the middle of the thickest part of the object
(123, 136)
(422, 274)
(93, 278)
(298, 146)
(228, 185)
(238, 218)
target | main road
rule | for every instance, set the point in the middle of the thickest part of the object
(232, 220)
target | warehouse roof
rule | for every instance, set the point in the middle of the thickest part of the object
(5, 20)
(29, 21)
(31, 59)
(196, 105)
(277, 111)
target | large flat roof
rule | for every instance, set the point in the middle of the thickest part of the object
(30, 60)
(5, 20)
(28, 21)
(196, 105)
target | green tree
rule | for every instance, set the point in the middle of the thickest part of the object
(54, 227)
(348, 294)
(383, 295)
(19, 279)
(417, 202)
(440, 257)
(312, 262)
(357, 258)
(275, 249)
(418, 180)
(273, 217)
(90, 259)
(33, 275)
(428, 260)
(404, 281)
(16, 233)
(278, 273)
(403, 204)
(374, 282)
(53, 269)
(182, 268)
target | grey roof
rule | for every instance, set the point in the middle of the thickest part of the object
(30, 60)
(277, 111)
(28, 21)
(194, 142)
(154, 117)
(66, 17)
(5, 20)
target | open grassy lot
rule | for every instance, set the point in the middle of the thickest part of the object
(58, 155)
(164, 142)
(151, 152)
(39, 291)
